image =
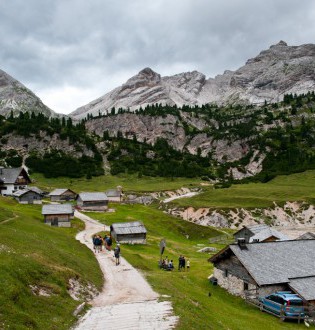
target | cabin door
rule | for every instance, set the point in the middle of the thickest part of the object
(54, 222)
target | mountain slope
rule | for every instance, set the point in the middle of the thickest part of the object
(280, 70)
(15, 97)
(147, 87)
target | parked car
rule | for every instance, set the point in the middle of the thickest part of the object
(283, 303)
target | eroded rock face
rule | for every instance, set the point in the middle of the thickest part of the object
(148, 129)
(292, 214)
(16, 97)
(279, 70)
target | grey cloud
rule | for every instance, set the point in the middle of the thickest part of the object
(47, 44)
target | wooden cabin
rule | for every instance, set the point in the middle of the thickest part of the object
(58, 215)
(129, 232)
(92, 201)
(61, 195)
(13, 179)
(114, 195)
(32, 195)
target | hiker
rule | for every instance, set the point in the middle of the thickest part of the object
(98, 243)
(109, 243)
(180, 262)
(170, 265)
(117, 254)
(183, 263)
(188, 265)
(93, 241)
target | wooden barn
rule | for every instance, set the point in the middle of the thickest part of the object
(114, 195)
(92, 201)
(32, 195)
(129, 232)
(60, 195)
(13, 179)
(58, 215)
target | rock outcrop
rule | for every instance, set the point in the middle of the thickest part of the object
(280, 70)
(15, 97)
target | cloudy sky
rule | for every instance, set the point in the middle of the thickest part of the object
(70, 52)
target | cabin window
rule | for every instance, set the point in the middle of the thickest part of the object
(245, 286)
(226, 273)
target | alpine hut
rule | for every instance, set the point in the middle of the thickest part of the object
(59, 195)
(92, 201)
(57, 214)
(32, 195)
(129, 232)
(13, 179)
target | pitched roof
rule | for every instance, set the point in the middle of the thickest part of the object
(113, 193)
(10, 175)
(22, 192)
(304, 286)
(276, 262)
(307, 235)
(59, 191)
(134, 227)
(93, 196)
(57, 209)
(255, 229)
(266, 233)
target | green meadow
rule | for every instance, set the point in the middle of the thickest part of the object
(130, 183)
(33, 254)
(199, 304)
(294, 187)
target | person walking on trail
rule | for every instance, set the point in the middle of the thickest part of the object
(94, 245)
(97, 243)
(188, 265)
(117, 254)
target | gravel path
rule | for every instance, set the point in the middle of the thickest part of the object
(127, 301)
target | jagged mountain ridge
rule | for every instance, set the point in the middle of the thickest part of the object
(280, 70)
(15, 97)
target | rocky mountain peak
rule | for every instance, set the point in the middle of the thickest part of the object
(149, 74)
(15, 97)
(276, 71)
(280, 44)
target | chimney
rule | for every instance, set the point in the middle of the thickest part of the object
(241, 242)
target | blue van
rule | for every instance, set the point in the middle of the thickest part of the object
(283, 303)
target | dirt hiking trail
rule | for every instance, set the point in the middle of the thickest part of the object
(127, 301)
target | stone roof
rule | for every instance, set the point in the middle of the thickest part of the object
(59, 191)
(113, 193)
(267, 233)
(57, 209)
(307, 235)
(10, 175)
(255, 229)
(134, 227)
(277, 262)
(304, 286)
(22, 192)
(93, 196)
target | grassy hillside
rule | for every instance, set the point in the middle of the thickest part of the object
(188, 291)
(129, 183)
(33, 254)
(294, 187)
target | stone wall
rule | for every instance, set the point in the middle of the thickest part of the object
(231, 283)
